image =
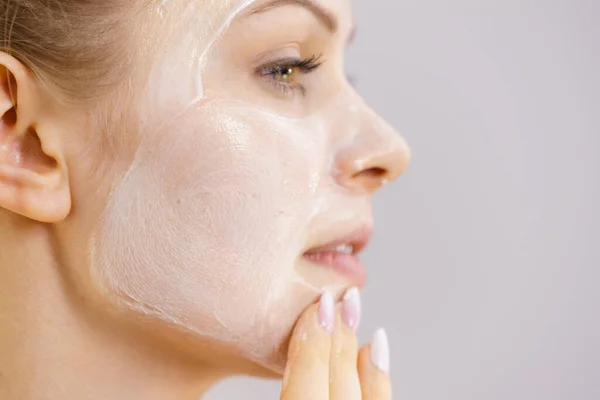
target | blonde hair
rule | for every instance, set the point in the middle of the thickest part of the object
(76, 46)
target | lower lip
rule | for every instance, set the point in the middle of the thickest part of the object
(345, 264)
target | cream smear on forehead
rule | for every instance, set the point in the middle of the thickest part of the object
(205, 228)
(225, 10)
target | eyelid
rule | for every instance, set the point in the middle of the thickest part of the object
(290, 51)
(305, 65)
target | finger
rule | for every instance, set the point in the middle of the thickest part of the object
(374, 367)
(306, 374)
(343, 373)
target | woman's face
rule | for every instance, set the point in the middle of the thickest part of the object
(246, 148)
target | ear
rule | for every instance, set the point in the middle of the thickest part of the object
(33, 177)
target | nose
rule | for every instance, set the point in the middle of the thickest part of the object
(374, 153)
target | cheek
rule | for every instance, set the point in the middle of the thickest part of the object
(204, 230)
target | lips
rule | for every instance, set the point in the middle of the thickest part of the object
(341, 254)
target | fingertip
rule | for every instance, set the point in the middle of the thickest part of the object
(326, 311)
(374, 380)
(312, 334)
(351, 308)
(344, 380)
(307, 368)
(380, 351)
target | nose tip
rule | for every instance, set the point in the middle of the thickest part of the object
(385, 167)
(377, 155)
(371, 170)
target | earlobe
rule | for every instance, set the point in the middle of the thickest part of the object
(33, 179)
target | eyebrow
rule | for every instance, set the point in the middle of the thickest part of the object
(324, 16)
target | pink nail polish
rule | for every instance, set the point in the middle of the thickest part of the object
(380, 351)
(351, 309)
(326, 311)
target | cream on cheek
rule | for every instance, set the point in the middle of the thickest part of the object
(205, 229)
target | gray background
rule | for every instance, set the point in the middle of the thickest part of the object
(485, 265)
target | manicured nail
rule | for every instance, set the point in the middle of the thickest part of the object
(380, 351)
(326, 311)
(351, 309)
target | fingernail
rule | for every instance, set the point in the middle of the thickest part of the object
(326, 311)
(351, 309)
(380, 351)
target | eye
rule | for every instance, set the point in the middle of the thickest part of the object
(284, 75)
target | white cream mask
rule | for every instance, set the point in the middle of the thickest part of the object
(206, 230)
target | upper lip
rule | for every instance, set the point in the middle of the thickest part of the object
(358, 238)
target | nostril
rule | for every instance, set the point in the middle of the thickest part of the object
(373, 173)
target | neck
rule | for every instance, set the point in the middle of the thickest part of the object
(50, 350)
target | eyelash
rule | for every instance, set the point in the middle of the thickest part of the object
(282, 67)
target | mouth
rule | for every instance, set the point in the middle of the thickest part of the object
(341, 254)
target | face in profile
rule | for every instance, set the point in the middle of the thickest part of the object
(239, 185)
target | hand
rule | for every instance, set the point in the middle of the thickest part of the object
(324, 362)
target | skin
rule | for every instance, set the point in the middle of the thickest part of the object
(158, 253)
(326, 364)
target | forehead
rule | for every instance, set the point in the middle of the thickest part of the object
(339, 8)
(217, 15)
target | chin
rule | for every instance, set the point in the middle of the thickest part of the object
(264, 355)
(242, 361)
